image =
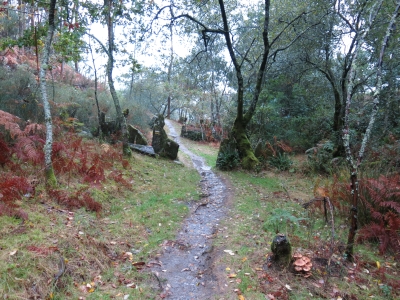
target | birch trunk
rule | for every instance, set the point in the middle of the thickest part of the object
(354, 164)
(49, 171)
(110, 66)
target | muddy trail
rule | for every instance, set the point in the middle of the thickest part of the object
(185, 268)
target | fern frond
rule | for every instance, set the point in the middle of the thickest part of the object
(30, 149)
(118, 178)
(33, 129)
(6, 210)
(5, 152)
(10, 123)
(13, 187)
(391, 205)
(76, 200)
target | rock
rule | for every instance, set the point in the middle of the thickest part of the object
(136, 137)
(85, 134)
(171, 149)
(281, 249)
(148, 150)
(162, 145)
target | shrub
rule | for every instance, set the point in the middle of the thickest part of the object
(228, 157)
(281, 161)
(320, 157)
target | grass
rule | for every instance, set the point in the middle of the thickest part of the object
(267, 202)
(261, 207)
(100, 251)
(93, 246)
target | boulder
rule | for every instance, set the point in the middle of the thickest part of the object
(162, 145)
(171, 149)
(135, 136)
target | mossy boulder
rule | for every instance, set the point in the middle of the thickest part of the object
(162, 145)
(136, 137)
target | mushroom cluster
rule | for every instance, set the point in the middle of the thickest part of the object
(302, 264)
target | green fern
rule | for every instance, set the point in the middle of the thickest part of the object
(281, 217)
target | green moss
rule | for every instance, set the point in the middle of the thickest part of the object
(51, 180)
(249, 160)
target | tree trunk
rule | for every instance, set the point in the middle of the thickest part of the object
(249, 160)
(170, 71)
(51, 180)
(95, 91)
(354, 164)
(121, 122)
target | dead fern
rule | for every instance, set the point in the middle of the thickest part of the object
(5, 152)
(13, 188)
(10, 123)
(6, 210)
(75, 200)
(30, 149)
(118, 178)
(381, 216)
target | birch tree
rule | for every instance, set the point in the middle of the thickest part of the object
(49, 171)
(121, 122)
(355, 162)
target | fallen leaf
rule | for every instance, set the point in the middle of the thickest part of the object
(12, 253)
(131, 285)
(378, 264)
(232, 275)
(241, 297)
(244, 259)
(288, 287)
(139, 264)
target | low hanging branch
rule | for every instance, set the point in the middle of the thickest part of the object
(354, 164)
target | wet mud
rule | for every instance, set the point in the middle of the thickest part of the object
(185, 268)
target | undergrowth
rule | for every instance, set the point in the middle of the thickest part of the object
(90, 236)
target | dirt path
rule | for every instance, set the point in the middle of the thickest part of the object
(186, 270)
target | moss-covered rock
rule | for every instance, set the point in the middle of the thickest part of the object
(135, 136)
(162, 145)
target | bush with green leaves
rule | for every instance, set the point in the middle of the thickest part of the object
(281, 161)
(20, 94)
(228, 156)
(320, 157)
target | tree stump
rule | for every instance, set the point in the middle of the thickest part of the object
(281, 249)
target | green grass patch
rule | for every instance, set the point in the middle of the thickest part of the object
(134, 220)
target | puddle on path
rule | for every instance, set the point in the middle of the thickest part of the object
(185, 271)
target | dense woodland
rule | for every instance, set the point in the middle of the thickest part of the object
(267, 80)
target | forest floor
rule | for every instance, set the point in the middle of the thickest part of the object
(179, 230)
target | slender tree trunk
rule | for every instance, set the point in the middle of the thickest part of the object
(121, 122)
(51, 180)
(95, 91)
(170, 71)
(354, 164)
